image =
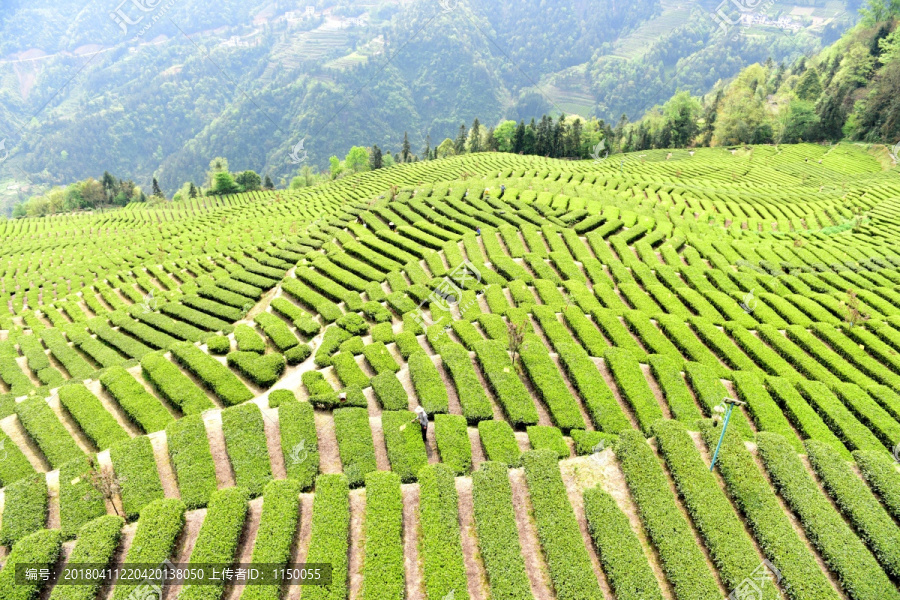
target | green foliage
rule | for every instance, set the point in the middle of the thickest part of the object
(330, 536)
(501, 375)
(383, 567)
(262, 370)
(245, 441)
(544, 436)
(440, 545)
(275, 536)
(191, 460)
(299, 444)
(79, 500)
(499, 442)
(454, 447)
(214, 375)
(142, 408)
(41, 547)
(97, 543)
(24, 509)
(45, 429)
(354, 437)
(405, 447)
(93, 419)
(173, 385)
(136, 473)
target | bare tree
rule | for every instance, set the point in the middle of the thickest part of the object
(106, 482)
(516, 336)
(852, 309)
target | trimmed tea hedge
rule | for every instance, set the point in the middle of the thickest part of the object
(275, 536)
(24, 509)
(684, 564)
(357, 450)
(564, 550)
(499, 442)
(248, 340)
(245, 441)
(389, 391)
(93, 419)
(633, 387)
(383, 568)
(452, 437)
(15, 465)
(348, 370)
(217, 541)
(141, 407)
(880, 473)
(47, 432)
(41, 547)
(136, 473)
(619, 549)
(192, 460)
(263, 371)
(216, 376)
(330, 536)
(158, 529)
(381, 360)
(859, 572)
(441, 548)
(544, 436)
(79, 500)
(174, 386)
(475, 404)
(403, 439)
(501, 375)
(498, 536)
(551, 387)
(282, 337)
(428, 384)
(299, 444)
(97, 544)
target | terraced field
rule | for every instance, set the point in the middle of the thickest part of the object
(232, 379)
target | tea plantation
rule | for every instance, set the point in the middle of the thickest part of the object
(233, 379)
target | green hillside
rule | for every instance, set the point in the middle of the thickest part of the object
(232, 379)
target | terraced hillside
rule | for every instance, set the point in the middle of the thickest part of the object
(232, 380)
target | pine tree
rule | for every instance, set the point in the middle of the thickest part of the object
(157, 191)
(268, 183)
(577, 128)
(519, 139)
(376, 160)
(192, 191)
(460, 144)
(406, 151)
(475, 137)
(427, 153)
(491, 141)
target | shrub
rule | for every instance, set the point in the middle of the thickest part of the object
(15, 466)
(245, 441)
(551, 387)
(405, 447)
(130, 347)
(498, 536)
(723, 533)
(79, 500)
(93, 419)
(499, 442)
(145, 333)
(47, 432)
(755, 498)
(839, 419)
(216, 376)
(858, 505)
(428, 384)
(154, 541)
(299, 444)
(262, 370)
(142, 408)
(354, 437)
(683, 563)
(138, 479)
(282, 337)
(564, 550)
(384, 576)
(633, 387)
(880, 473)
(321, 305)
(41, 547)
(348, 370)
(440, 543)
(24, 509)
(619, 549)
(218, 344)
(452, 437)
(330, 536)
(173, 385)
(192, 460)
(275, 536)
(379, 357)
(587, 442)
(97, 543)
(710, 392)
(352, 346)
(389, 391)
(75, 365)
(334, 337)
(801, 414)
(857, 569)
(279, 397)
(217, 541)
(353, 324)
(248, 340)
(475, 404)
(298, 354)
(668, 374)
(766, 413)
(504, 381)
(544, 436)
(176, 329)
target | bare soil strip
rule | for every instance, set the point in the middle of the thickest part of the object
(357, 541)
(477, 451)
(475, 574)
(415, 586)
(71, 426)
(329, 457)
(214, 434)
(193, 520)
(163, 465)
(657, 391)
(13, 429)
(244, 552)
(535, 566)
(381, 456)
(301, 545)
(273, 441)
(53, 521)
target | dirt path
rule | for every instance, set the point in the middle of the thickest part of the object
(455, 408)
(528, 539)
(522, 441)
(53, 500)
(193, 520)
(118, 560)
(372, 402)
(381, 455)
(589, 425)
(611, 384)
(14, 430)
(216, 437)
(114, 505)
(329, 456)
(614, 483)
(163, 465)
(138, 374)
(415, 585)
(478, 456)
(495, 406)
(113, 407)
(475, 574)
(657, 391)
(408, 387)
(272, 427)
(357, 541)
(244, 552)
(301, 542)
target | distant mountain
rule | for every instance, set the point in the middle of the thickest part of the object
(81, 93)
